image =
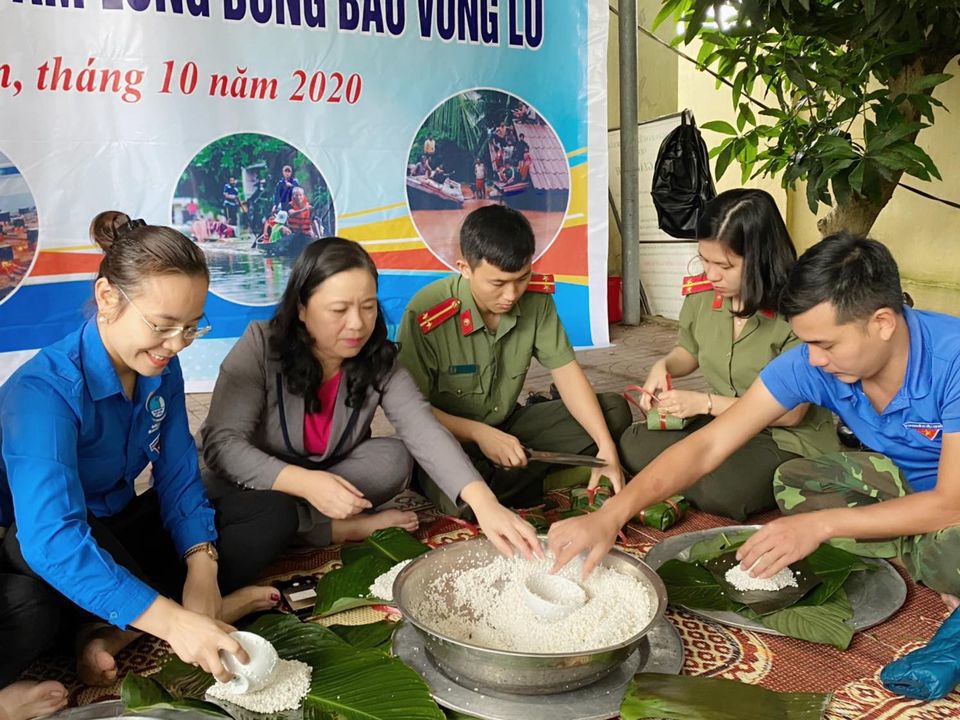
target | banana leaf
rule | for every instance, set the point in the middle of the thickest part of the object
(139, 693)
(392, 543)
(348, 683)
(680, 697)
(717, 545)
(348, 587)
(832, 565)
(763, 602)
(825, 623)
(693, 586)
(820, 616)
(370, 636)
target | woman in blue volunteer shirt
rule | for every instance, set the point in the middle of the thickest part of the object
(78, 424)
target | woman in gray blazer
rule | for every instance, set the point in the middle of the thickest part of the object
(293, 404)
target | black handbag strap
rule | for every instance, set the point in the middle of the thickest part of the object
(303, 459)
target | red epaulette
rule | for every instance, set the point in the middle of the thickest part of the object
(438, 314)
(695, 284)
(542, 284)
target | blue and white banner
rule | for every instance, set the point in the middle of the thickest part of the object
(257, 126)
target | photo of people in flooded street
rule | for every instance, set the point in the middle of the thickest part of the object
(19, 227)
(484, 147)
(252, 202)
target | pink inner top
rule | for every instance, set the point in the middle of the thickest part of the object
(316, 426)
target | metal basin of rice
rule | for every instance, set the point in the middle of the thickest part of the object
(507, 671)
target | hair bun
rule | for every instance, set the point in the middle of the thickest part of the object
(108, 227)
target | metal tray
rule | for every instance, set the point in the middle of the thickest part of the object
(114, 709)
(874, 596)
(660, 651)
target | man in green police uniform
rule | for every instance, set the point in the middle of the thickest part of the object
(468, 339)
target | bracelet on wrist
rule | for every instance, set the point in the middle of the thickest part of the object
(709, 404)
(207, 548)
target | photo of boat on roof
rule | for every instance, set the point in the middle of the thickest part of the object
(483, 147)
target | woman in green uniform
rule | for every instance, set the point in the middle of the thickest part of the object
(729, 330)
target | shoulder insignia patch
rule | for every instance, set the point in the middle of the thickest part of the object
(438, 314)
(542, 284)
(466, 323)
(695, 284)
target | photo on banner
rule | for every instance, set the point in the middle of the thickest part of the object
(256, 132)
(252, 203)
(19, 228)
(485, 147)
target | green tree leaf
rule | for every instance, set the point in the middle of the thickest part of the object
(720, 126)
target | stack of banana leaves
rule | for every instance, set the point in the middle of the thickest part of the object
(816, 610)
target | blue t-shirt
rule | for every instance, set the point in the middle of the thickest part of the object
(230, 189)
(910, 429)
(71, 442)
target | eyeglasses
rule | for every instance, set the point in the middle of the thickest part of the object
(189, 333)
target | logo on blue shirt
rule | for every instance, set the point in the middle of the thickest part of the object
(929, 430)
(156, 407)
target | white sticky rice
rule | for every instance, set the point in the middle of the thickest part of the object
(290, 683)
(485, 606)
(741, 580)
(383, 586)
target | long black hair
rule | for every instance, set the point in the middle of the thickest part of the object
(292, 344)
(748, 223)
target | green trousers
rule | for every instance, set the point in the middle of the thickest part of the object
(741, 486)
(855, 479)
(542, 426)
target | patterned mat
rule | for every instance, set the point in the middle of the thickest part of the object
(711, 649)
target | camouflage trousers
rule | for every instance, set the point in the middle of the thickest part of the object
(855, 479)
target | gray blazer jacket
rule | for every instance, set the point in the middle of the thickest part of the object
(243, 438)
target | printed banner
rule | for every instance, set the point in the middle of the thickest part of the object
(258, 126)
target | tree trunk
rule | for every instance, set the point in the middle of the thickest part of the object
(856, 216)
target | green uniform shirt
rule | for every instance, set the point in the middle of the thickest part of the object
(479, 375)
(730, 366)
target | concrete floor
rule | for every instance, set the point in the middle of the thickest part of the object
(633, 351)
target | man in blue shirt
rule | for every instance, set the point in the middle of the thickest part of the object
(231, 201)
(891, 373)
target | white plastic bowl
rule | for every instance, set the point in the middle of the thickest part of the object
(257, 673)
(553, 597)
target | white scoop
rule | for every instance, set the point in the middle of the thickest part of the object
(553, 597)
(257, 673)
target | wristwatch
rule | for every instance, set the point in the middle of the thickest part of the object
(205, 547)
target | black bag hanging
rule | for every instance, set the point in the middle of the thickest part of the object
(682, 183)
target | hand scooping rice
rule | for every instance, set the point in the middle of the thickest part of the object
(266, 684)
